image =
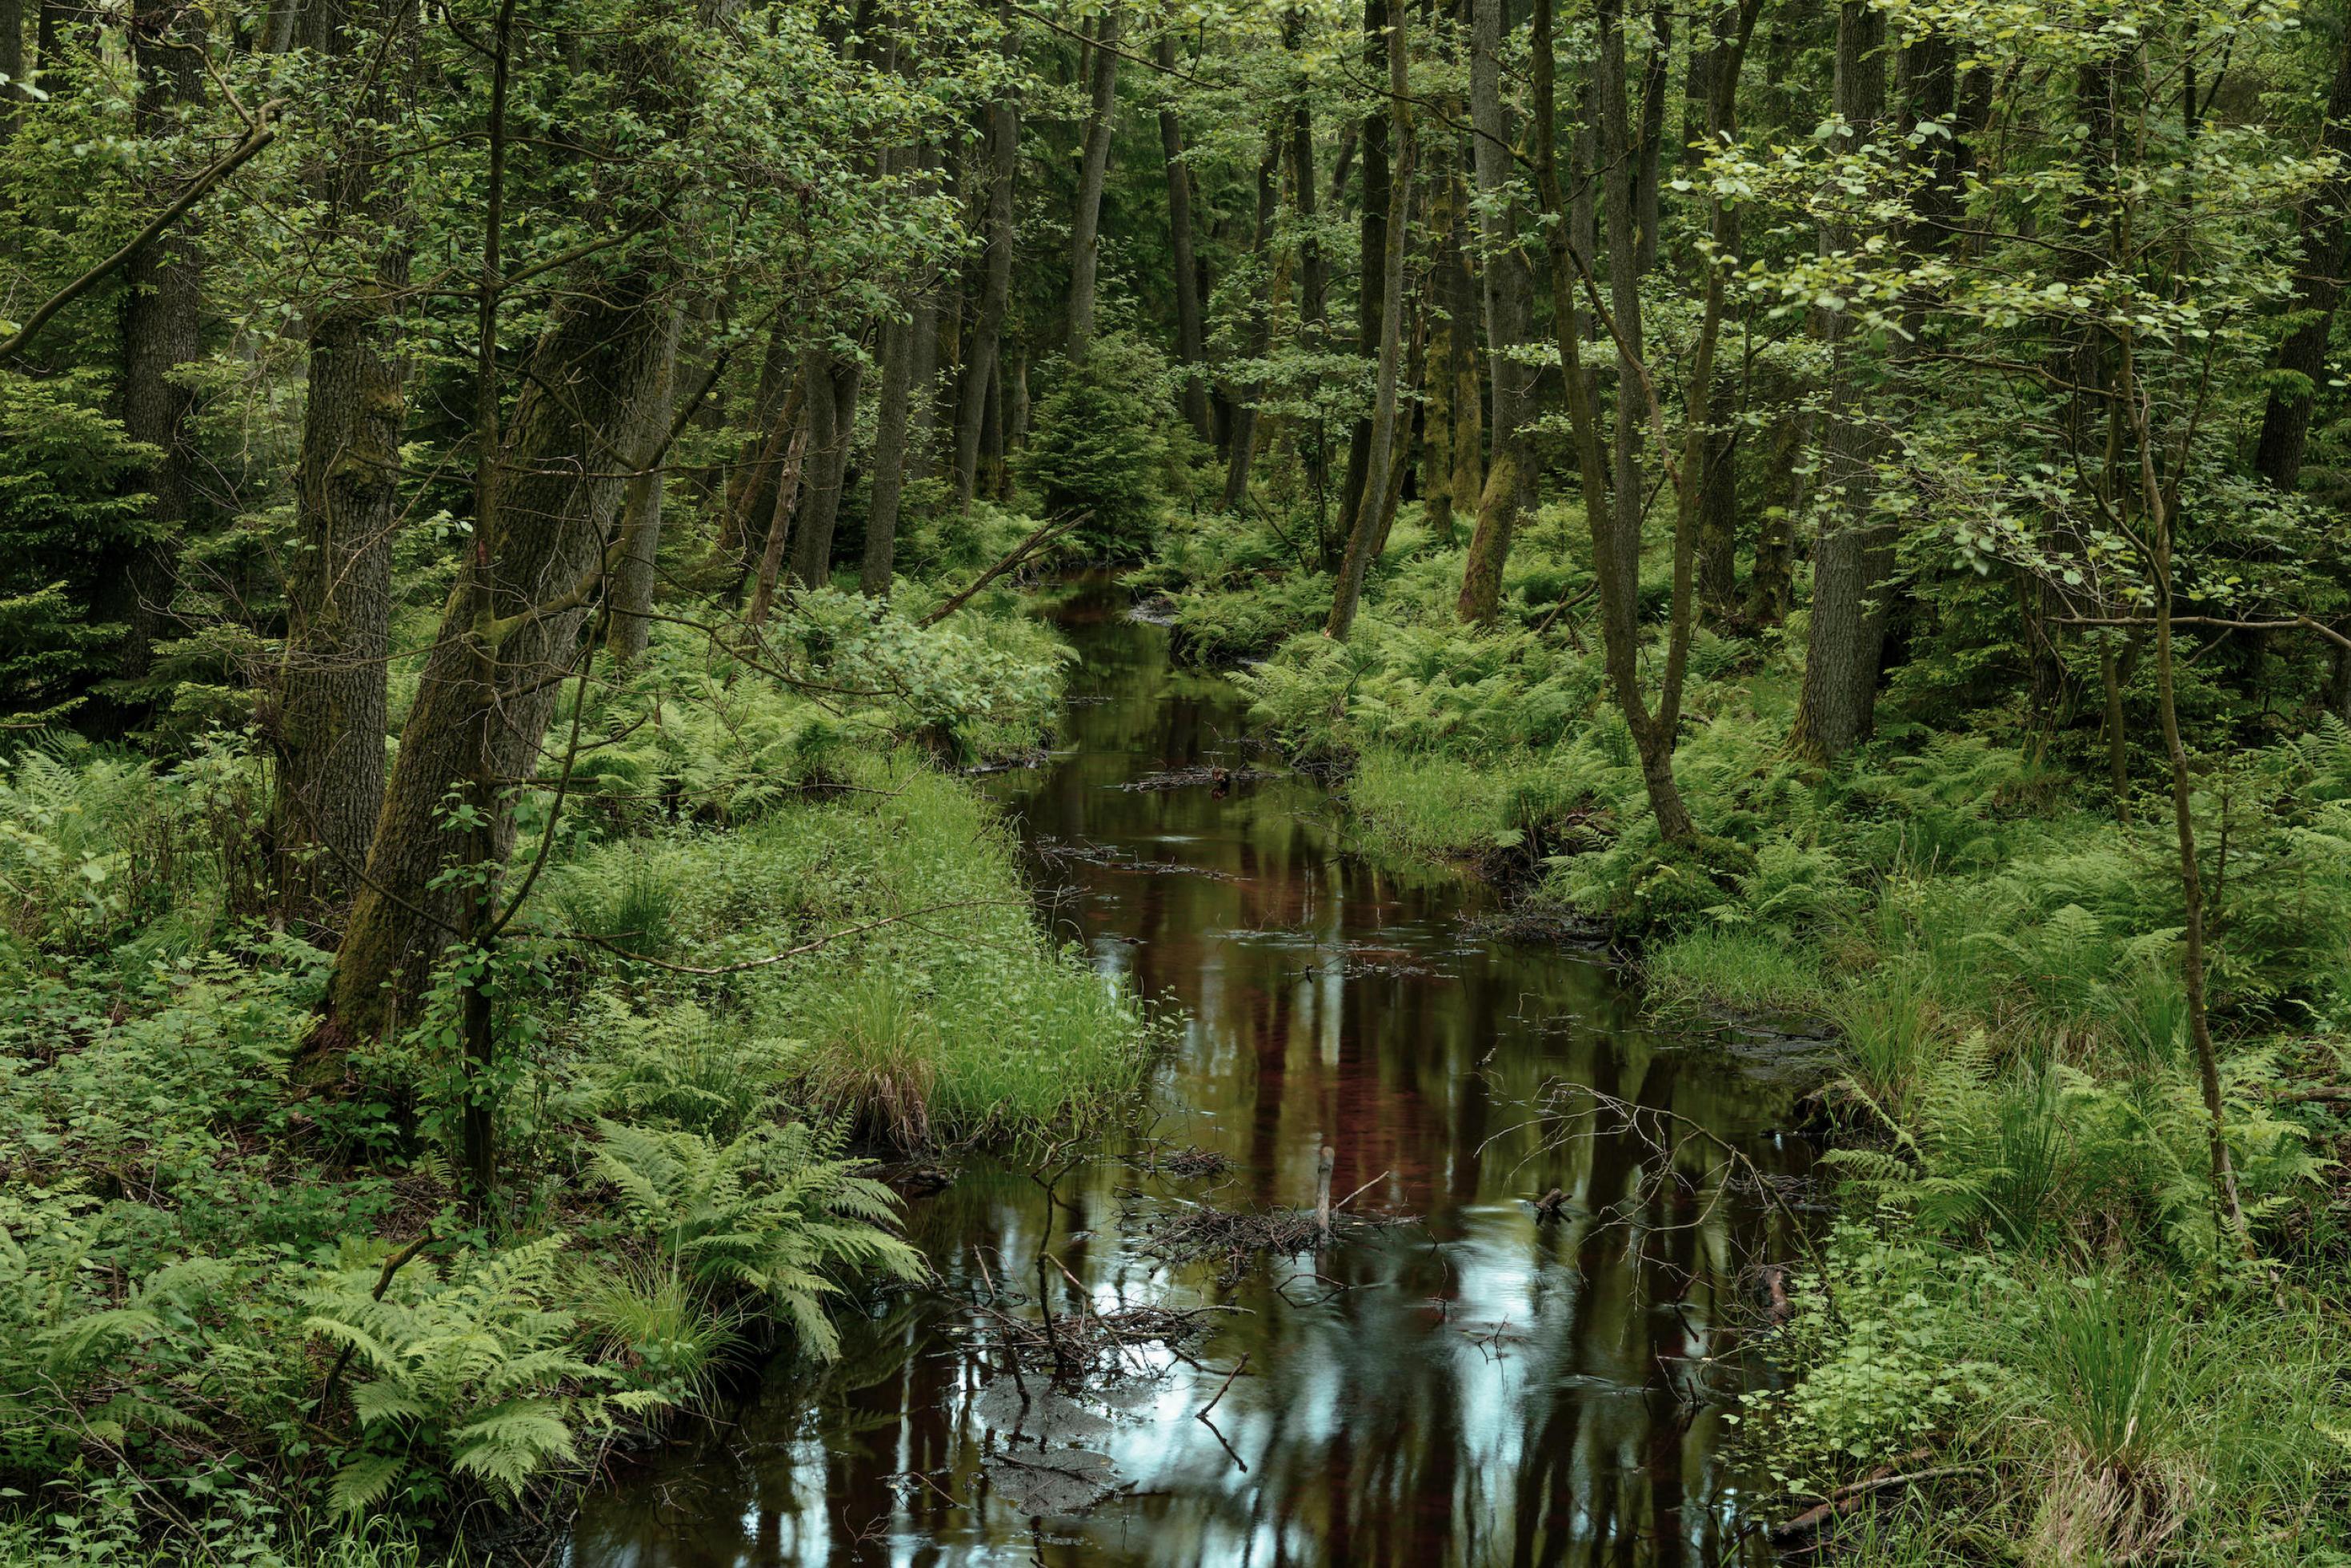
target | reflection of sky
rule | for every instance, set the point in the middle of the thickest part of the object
(1474, 1389)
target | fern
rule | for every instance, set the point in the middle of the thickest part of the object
(771, 1214)
(469, 1371)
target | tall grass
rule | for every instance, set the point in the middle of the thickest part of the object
(945, 1013)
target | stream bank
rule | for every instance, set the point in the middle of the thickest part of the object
(1500, 1380)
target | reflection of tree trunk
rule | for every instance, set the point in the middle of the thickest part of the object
(1854, 554)
(832, 384)
(1189, 337)
(1085, 222)
(1371, 516)
(1509, 317)
(996, 289)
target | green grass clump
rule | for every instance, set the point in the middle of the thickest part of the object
(928, 1006)
(1737, 970)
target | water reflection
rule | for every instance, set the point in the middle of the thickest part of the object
(1479, 1389)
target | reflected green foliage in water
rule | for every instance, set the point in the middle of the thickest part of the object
(1481, 1387)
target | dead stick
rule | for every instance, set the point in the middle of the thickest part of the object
(1202, 1414)
(1050, 530)
(392, 1266)
(1850, 1498)
(1366, 1187)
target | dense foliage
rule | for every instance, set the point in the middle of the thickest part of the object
(506, 513)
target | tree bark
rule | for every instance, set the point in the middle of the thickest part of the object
(162, 316)
(1191, 337)
(923, 357)
(890, 427)
(1854, 553)
(510, 634)
(332, 720)
(1509, 486)
(747, 482)
(1372, 142)
(832, 385)
(1648, 151)
(996, 289)
(628, 626)
(1243, 438)
(1085, 223)
(779, 522)
(2326, 256)
(1371, 516)
(12, 66)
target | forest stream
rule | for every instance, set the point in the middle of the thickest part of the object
(1488, 1383)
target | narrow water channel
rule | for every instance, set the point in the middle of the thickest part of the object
(1484, 1386)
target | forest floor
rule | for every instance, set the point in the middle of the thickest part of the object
(776, 932)
(2029, 1332)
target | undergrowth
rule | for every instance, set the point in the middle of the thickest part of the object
(241, 1323)
(2026, 1337)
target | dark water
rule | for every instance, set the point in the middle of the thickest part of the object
(1481, 1386)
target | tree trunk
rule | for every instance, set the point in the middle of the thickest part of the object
(1855, 552)
(1718, 521)
(332, 720)
(1457, 293)
(1648, 151)
(12, 66)
(1371, 516)
(2326, 256)
(162, 314)
(832, 385)
(1191, 337)
(2158, 523)
(627, 627)
(1373, 140)
(1509, 485)
(889, 460)
(1770, 585)
(780, 522)
(1437, 413)
(1085, 223)
(1314, 290)
(1615, 527)
(923, 360)
(996, 289)
(510, 634)
(747, 484)
(1243, 440)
